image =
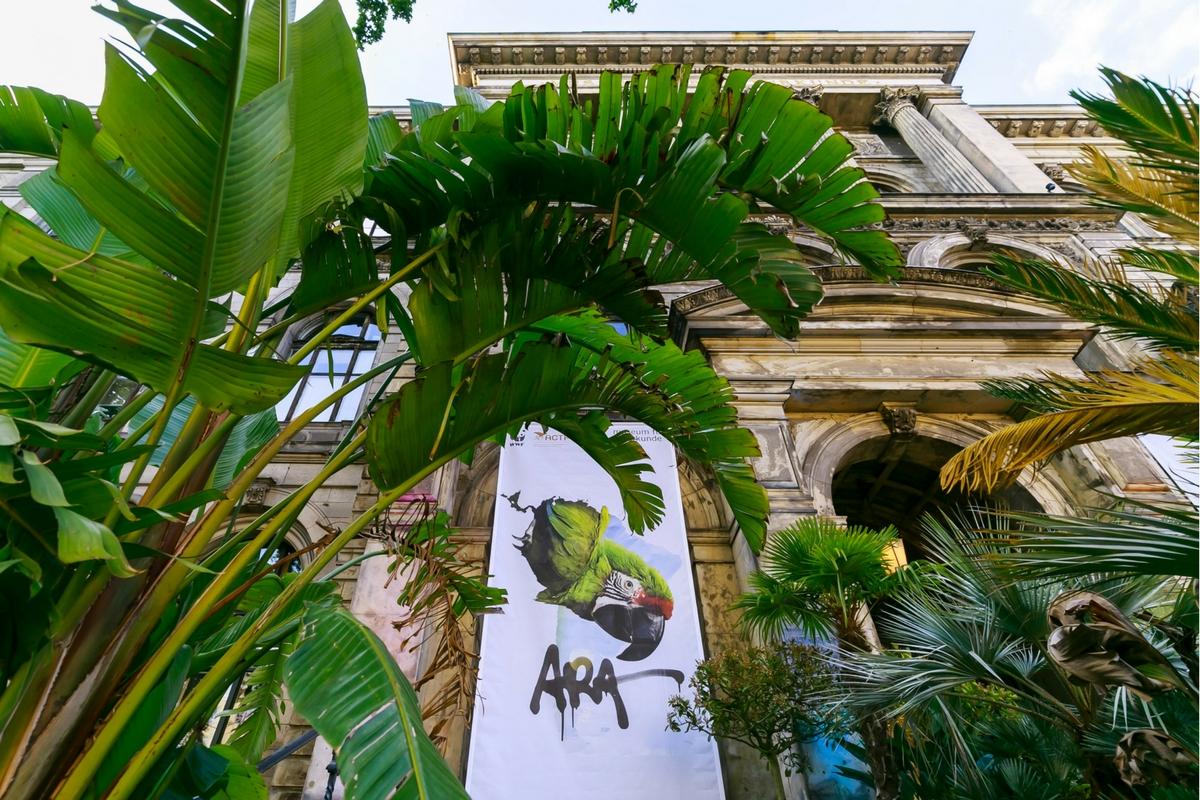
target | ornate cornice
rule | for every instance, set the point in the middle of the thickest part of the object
(931, 53)
(1041, 122)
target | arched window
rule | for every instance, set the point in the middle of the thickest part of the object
(347, 354)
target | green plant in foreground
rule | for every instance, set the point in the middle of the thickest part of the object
(771, 699)
(235, 146)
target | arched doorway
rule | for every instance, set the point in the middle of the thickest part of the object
(893, 480)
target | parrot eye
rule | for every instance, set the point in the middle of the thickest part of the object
(628, 583)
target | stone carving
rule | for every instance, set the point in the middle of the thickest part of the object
(954, 224)
(1054, 171)
(778, 224)
(867, 144)
(947, 55)
(644, 55)
(794, 55)
(731, 55)
(892, 100)
(687, 55)
(1014, 128)
(539, 55)
(881, 54)
(622, 55)
(560, 55)
(902, 53)
(710, 55)
(256, 493)
(773, 54)
(901, 420)
(580, 55)
(518, 55)
(836, 56)
(666, 55)
(976, 234)
(1080, 128)
(1057, 128)
(497, 58)
(473, 55)
(949, 277)
(814, 57)
(923, 54)
(1035, 127)
(809, 94)
(601, 55)
(860, 53)
(751, 54)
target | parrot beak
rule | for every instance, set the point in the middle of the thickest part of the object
(642, 627)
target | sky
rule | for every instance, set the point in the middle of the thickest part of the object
(1024, 51)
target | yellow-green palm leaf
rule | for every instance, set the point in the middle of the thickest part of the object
(1159, 398)
(1163, 198)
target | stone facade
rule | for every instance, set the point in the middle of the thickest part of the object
(882, 375)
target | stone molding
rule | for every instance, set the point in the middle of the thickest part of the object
(1041, 122)
(922, 52)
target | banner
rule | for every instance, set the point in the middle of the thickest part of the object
(600, 628)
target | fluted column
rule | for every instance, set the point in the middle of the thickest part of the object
(949, 167)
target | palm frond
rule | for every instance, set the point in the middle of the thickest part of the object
(1159, 541)
(1181, 265)
(1170, 206)
(1127, 310)
(772, 607)
(1156, 121)
(1160, 398)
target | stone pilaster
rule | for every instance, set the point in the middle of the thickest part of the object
(994, 155)
(897, 107)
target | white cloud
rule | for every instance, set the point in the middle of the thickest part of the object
(1156, 38)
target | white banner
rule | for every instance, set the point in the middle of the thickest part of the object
(600, 628)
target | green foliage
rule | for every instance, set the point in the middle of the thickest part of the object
(815, 575)
(772, 699)
(1157, 310)
(979, 707)
(233, 142)
(345, 682)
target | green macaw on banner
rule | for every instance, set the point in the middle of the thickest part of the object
(592, 576)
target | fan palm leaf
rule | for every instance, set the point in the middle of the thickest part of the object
(815, 576)
(1159, 398)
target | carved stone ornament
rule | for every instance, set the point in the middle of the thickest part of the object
(1054, 172)
(867, 144)
(976, 234)
(901, 420)
(891, 100)
(256, 493)
(809, 94)
(953, 224)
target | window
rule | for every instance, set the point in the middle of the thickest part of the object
(347, 354)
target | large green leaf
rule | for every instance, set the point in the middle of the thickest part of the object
(22, 366)
(206, 204)
(328, 121)
(686, 170)
(32, 121)
(69, 220)
(344, 681)
(675, 393)
(246, 438)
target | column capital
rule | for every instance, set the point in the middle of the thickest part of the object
(892, 99)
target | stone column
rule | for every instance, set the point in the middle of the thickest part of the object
(948, 165)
